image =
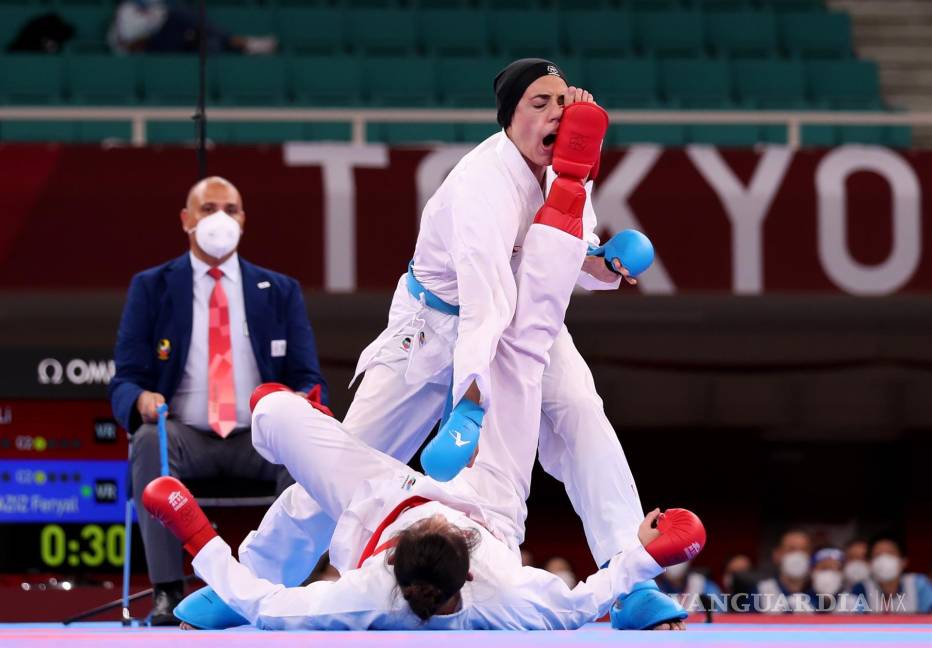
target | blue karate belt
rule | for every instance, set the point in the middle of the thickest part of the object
(417, 290)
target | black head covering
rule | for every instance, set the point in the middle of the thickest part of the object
(511, 83)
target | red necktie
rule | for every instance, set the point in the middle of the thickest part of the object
(371, 548)
(221, 393)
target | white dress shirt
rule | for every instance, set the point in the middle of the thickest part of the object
(189, 404)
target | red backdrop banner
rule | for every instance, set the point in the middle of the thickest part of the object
(342, 217)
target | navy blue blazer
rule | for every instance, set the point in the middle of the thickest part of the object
(155, 334)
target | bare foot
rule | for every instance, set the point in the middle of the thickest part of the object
(671, 625)
(186, 626)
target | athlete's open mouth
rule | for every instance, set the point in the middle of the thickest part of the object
(550, 139)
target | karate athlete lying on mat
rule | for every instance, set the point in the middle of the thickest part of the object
(416, 553)
(446, 318)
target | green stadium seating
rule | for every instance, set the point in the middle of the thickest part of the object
(35, 79)
(478, 132)
(816, 34)
(404, 133)
(399, 81)
(523, 33)
(250, 80)
(307, 30)
(442, 4)
(12, 19)
(653, 5)
(173, 132)
(102, 80)
(467, 82)
(90, 27)
(98, 131)
(670, 33)
(454, 32)
(724, 135)
(325, 81)
(742, 34)
(382, 31)
(584, 5)
(623, 83)
(598, 33)
(770, 83)
(243, 20)
(794, 5)
(844, 84)
(38, 131)
(169, 79)
(696, 83)
(665, 134)
(262, 132)
(329, 131)
(721, 5)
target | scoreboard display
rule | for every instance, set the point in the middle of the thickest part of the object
(63, 486)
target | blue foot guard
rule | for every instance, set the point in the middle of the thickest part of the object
(205, 610)
(644, 607)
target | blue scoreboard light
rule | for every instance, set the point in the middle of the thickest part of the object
(62, 491)
(63, 486)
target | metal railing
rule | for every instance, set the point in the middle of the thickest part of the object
(359, 118)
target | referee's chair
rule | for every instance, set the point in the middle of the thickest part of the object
(208, 493)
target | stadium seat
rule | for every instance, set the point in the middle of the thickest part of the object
(478, 132)
(770, 83)
(250, 80)
(399, 81)
(403, 133)
(325, 81)
(307, 30)
(653, 5)
(329, 131)
(265, 132)
(598, 33)
(670, 33)
(90, 27)
(696, 83)
(102, 80)
(38, 131)
(742, 34)
(99, 131)
(35, 79)
(525, 33)
(243, 20)
(665, 134)
(623, 83)
(794, 5)
(454, 32)
(824, 34)
(173, 132)
(169, 80)
(12, 19)
(467, 82)
(382, 31)
(844, 84)
(721, 5)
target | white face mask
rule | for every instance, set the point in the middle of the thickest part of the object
(885, 568)
(217, 234)
(827, 581)
(795, 564)
(678, 571)
(856, 571)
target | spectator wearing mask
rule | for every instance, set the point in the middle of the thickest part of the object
(828, 581)
(684, 582)
(791, 590)
(856, 567)
(735, 567)
(889, 590)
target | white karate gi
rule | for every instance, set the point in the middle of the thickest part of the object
(467, 252)
(358, 486)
